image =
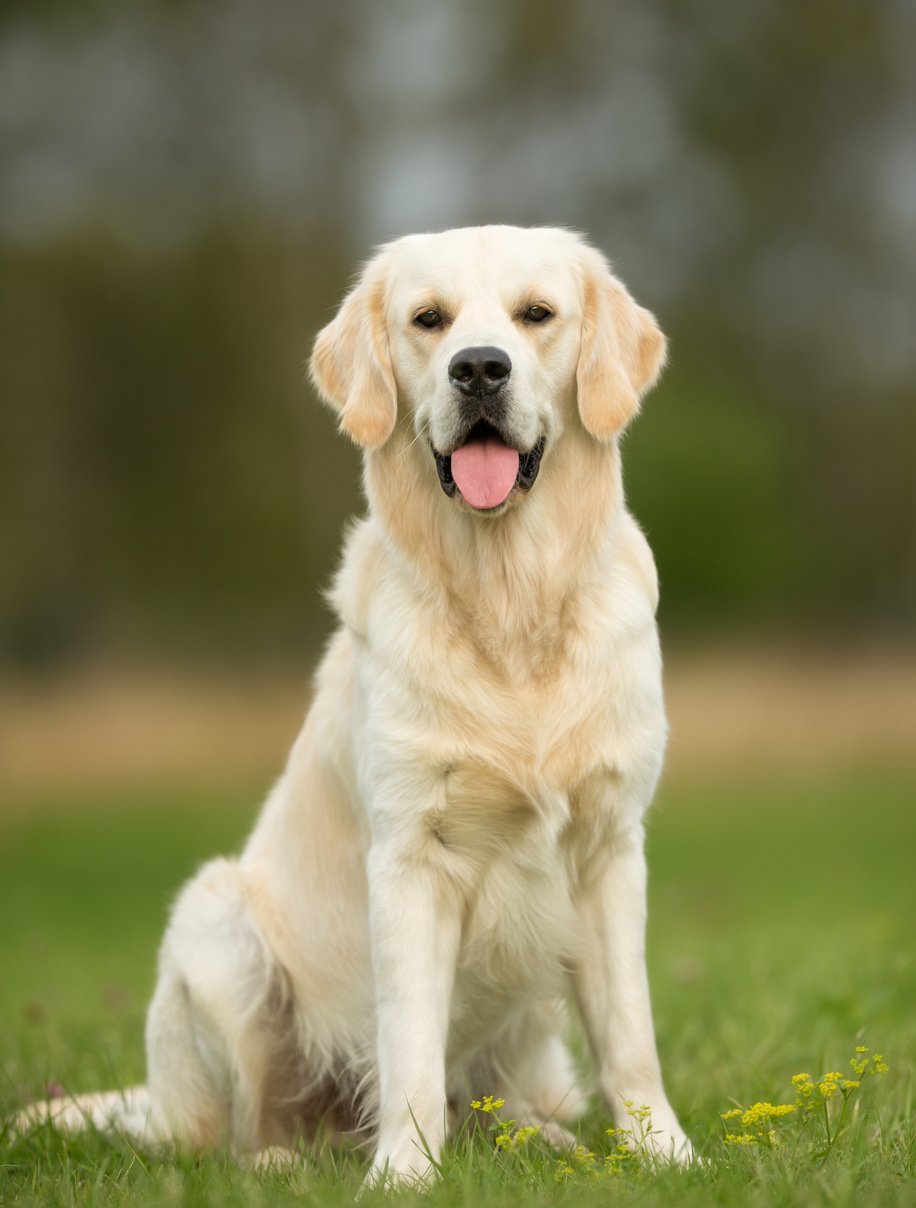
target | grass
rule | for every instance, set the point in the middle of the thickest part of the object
(780, 938)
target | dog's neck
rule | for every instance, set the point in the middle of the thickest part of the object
(513, 580)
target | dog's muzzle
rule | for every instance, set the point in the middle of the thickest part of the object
(486, 468)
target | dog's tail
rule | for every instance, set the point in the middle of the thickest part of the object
(131, 1113)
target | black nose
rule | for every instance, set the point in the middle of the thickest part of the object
(479, 370)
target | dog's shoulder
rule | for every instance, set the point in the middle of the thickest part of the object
(637, 555)
(359, 574)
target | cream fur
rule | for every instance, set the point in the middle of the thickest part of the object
(456, 845)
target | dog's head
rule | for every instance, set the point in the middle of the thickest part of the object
(487, 343)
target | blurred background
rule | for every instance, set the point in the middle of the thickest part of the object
(185, 191)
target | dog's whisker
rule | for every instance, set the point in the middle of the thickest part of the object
(423, 430)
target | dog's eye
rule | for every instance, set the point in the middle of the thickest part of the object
(537, 314)
(428, 318)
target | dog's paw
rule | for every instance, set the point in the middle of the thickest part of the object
(653, 1130)
(557, 1137)
(670, 1145)
(417, 1173)
(386, 1179)
(273, 1157)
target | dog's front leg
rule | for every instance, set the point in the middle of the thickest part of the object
(612, 988)
(415, 928)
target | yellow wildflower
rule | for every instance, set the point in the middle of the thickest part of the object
(759, 1114)
(580, 1161)
(740, 1139)
(757, 1123)
(615, 1163)
(830, 1084)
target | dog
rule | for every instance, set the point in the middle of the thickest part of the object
(455, 849)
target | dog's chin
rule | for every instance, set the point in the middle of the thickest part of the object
(487, 473)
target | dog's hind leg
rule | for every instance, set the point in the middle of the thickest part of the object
(545, 1078)
(130, 1112)
(531, 1068)
(212, 1035)
(217, 1047)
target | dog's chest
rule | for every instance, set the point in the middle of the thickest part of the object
(505, 853)
(521, 862)
(525, 834)
(539, 768)
(552, 738)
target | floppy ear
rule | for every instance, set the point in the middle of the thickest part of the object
(351, 365)
(621, 356)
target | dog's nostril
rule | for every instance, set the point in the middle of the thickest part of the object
(496, 370)
(479, 370)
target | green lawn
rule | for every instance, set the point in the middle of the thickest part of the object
(780, 938)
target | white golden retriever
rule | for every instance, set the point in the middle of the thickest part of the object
(456, 845)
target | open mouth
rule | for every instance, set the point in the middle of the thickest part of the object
(486, 469)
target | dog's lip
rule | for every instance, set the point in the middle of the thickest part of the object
(529, 461)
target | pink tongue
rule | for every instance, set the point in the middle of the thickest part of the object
(485, 471)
